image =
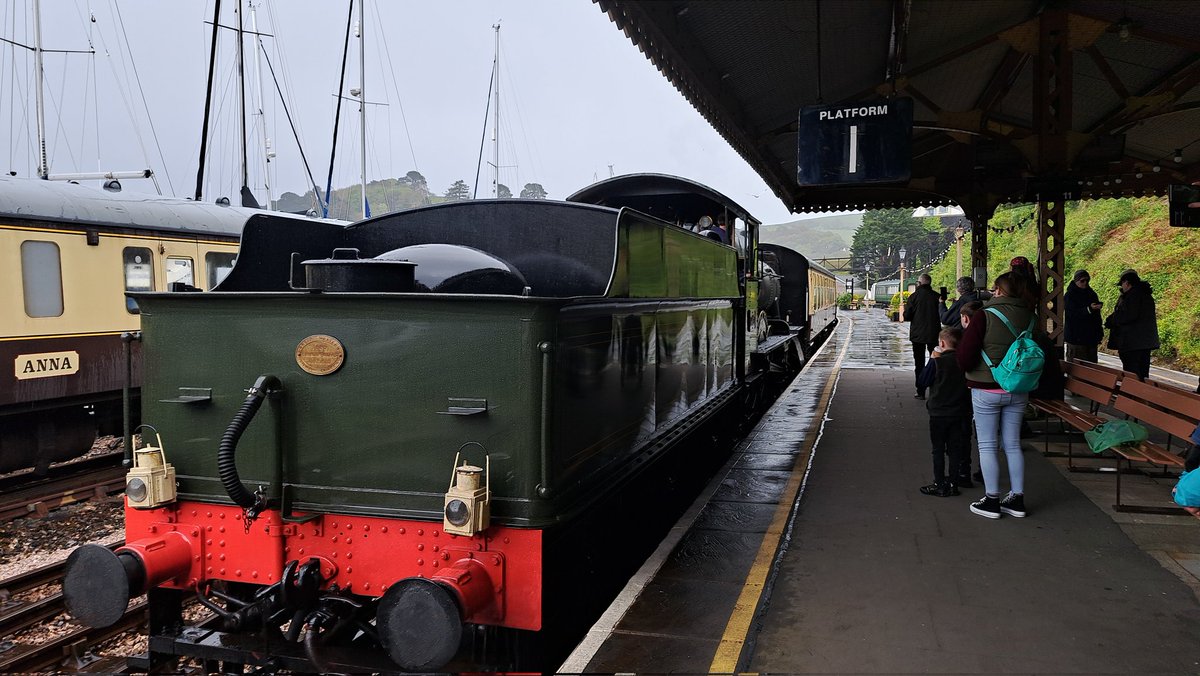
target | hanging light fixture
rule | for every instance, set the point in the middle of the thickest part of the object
(1178, 155)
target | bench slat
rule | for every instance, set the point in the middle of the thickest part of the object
(1136, 399)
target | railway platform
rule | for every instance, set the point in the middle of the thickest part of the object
(813, 552)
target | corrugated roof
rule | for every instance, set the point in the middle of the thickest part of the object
(748, 67)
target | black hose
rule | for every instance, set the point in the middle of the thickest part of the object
(312, 626)
(226, 453)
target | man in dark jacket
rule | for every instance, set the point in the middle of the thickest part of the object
(965, 286)
(1133, 325)
(923, 312)
(1083, 331)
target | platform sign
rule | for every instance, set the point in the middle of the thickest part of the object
(861, 142)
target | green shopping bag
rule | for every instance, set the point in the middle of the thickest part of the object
(1114, 433)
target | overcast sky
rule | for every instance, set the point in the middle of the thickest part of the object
(576, 96)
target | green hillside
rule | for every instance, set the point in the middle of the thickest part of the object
(1106, 237)
(821, 237)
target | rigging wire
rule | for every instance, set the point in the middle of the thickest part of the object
(58, 128)
(399, 101)
(291, 122)
(284, 84)
(483, 138)
(145, 104)
(124, 96)
(531, 149)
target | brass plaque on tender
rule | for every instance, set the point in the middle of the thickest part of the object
(320, 355)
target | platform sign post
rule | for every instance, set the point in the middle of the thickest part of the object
(861, 142)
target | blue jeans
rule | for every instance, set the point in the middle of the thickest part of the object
(999, 414)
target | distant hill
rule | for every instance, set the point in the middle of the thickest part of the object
(384, 196)
(820, 237)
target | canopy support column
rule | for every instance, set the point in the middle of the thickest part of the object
(1052, 111)
(1051, 231)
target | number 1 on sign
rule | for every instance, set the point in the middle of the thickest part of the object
(853, 149)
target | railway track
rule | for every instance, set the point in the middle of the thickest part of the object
(90, 479)
(23, 479)
(66, 652)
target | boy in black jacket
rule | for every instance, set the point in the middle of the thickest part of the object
(949, 406)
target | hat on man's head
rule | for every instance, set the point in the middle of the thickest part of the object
(1020, 261)
(1130, 276)
(1080, 274)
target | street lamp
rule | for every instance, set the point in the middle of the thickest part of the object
(903, 286)
(958, 239)
(867, 284)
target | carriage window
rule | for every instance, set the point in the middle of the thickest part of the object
(41, 277)
(219, 264)
(139, 275)
(180, 271)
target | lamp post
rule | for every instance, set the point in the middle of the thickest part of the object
(958, 239)
(867, 282)
(903, 286)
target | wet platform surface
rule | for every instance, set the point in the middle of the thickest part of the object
(814, 552)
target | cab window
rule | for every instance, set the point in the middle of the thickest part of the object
(139, 274)
(180, 270)
(41, 278)
(219, 264)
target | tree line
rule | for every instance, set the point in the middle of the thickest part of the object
(392, 194)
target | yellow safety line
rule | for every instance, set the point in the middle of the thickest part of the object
(151, 237)
(738, 628)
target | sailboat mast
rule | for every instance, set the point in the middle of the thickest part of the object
(362, 101)
(262, 114)
(241, 38)
(212, 67)
(43, 163)
(496, 117)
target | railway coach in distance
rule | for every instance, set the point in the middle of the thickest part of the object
(392, 434)
(68, 255)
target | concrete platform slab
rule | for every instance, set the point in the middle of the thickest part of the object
(863, 574)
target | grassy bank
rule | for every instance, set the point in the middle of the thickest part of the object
(1106, 237)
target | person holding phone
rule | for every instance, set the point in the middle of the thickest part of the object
(1083, 331)
(951, 316)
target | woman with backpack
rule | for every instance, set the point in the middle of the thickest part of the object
(998, 412)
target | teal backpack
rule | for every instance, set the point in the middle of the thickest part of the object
(1021, 367)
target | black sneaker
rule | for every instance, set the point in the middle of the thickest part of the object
(944, 489)
(987, 506)
(1013, 504)
(918, 395)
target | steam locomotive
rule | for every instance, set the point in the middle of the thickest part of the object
(373, 442)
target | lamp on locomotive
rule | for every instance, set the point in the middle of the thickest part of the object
(151, 482)
(467, 509)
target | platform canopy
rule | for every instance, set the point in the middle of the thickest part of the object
(1013, 100)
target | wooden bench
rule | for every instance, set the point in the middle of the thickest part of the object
(1095, 385)
(1167, 408)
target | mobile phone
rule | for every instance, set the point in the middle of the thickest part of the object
(944, 293)
(1178, 198)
